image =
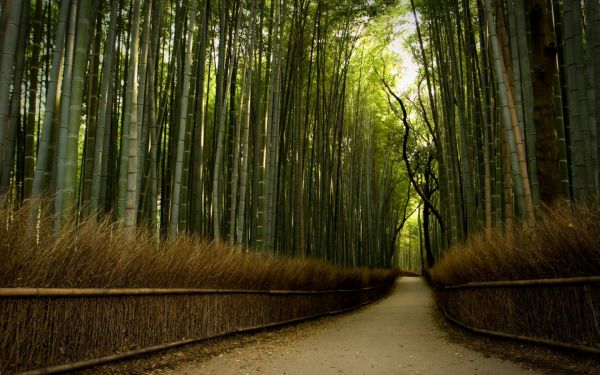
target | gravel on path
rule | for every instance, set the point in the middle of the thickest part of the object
(397, 335)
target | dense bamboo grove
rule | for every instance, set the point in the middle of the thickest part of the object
(264, 123)
(506, 113)
(245, 121)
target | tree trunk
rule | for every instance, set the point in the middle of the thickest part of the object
(544, 67)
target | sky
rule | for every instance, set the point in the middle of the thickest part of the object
(408, 70)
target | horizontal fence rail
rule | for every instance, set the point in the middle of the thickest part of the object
(47, 330)
(534, 340)
(98, 292)
(556, 312)
(525, 283)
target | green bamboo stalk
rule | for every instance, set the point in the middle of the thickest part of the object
(592, 15)
(131, 112)
(34, 71)
(525, 69)
(513, 136)
(487, 117)
(103, 119)
(270, 145)
(579, 118)
(7, 66)
(44, 138)
(217, 192)
(560, 103)
(142, 106)
(92, 97)
(244, 145)
(197, 191)
(10, 141)
(80, 61)
(184, 101)
(63, 122)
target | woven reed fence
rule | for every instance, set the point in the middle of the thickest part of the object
(561, 312)
(45, 328)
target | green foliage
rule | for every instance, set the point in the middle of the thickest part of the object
(322, 175)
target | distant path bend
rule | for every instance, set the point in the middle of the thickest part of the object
(394, 336)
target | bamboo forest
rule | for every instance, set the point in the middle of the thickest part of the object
(189, 169)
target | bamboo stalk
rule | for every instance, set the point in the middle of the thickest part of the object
(531, 282)
(94, 292)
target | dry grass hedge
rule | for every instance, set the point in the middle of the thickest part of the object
(103, 255)
(563, 243)
(46, 331)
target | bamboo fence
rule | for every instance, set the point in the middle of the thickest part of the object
(51, 330)
(558, 312)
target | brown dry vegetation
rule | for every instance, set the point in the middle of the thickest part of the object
(562, 243)
(46, 331)
(103, 255)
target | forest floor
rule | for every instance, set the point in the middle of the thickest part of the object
(401, 334)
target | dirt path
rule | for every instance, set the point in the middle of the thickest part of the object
(394, 336)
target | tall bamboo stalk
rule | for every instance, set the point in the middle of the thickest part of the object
(513, 133)
(183, 121)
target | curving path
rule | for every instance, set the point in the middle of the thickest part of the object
(394, 336)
